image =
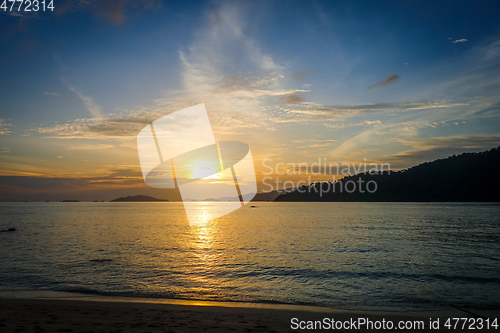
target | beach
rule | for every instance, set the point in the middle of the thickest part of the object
(119, 315)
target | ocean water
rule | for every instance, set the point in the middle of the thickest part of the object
(365, 256)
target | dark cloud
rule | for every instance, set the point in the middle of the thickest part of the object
(116, 128)
(23, 188)
(293, 98)
(119, 173)
(36, 183)
(393, 78)
(63, 9)
(116, 176)
(113, 10)
(115, 182)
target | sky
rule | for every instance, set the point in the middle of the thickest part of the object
(344, 82)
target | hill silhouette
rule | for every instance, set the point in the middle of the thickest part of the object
(466, 177)
(136, 198)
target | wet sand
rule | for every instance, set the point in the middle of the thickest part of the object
(66, 315)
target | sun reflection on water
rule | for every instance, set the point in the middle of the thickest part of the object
(206, 257)
(203, 215)
(203, 231)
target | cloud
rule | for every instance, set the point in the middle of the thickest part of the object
(441, 147)
(33, 188)
(393, 78)
(50, 93)
(325, 113)
(113, 10)
(490, 111)
(94, 109)
(293, 98)
(376, 138)
(111, 175)
(299, 75)
(366, 122)
(314, 143)
(4, 127)
(457, 141)
(90, 147)
(63, 9)
(463, 40)
(491, 50)
(22, 15)
(74, 6)
(234, 101)
(97, 128)
(314, 140)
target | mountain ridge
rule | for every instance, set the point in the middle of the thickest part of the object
(468, 177)
(137, 198)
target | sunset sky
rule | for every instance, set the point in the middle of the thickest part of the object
(394, 82)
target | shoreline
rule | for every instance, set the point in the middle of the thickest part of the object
(88, 297)
(63, 312)
(72, 296)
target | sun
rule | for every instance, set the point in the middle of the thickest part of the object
(199, 170)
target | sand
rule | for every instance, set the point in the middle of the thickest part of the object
(86, 315)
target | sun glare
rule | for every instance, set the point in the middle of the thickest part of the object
(199, 170)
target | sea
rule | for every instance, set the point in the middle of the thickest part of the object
(357, 256)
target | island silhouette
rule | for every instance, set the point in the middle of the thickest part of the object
(469, 177)
(137, 198)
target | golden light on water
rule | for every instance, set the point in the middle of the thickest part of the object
(203, 239)
(203, 216)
